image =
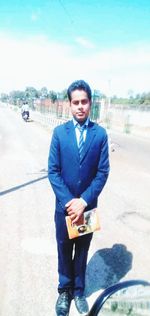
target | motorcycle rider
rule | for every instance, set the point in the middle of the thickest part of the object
(25, 110)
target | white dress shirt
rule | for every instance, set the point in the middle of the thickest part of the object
(77, 131)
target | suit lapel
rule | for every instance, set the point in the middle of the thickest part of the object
(72, 138)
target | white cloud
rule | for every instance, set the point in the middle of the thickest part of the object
(84, 42)
(39, 62)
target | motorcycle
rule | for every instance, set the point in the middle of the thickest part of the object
(25, 116)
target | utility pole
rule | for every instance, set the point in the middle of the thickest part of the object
(109, 93)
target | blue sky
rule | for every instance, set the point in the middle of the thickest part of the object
(51, 43)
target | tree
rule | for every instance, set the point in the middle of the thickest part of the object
(16, 97)
(31, 92)
(64, 94)
(53, 96)
(4, 97)
(44, 92)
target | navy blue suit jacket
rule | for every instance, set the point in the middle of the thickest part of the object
(72, 178)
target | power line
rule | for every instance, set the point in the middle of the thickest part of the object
(66, 11)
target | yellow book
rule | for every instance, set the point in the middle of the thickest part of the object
(88, 223)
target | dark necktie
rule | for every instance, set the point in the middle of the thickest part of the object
(81, 140)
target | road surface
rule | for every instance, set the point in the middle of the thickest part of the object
(28, 264)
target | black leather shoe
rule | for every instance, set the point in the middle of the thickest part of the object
(81, 305)
(63, 304)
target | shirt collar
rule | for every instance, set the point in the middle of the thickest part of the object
(76, 123)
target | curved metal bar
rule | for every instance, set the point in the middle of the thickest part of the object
(111, 290)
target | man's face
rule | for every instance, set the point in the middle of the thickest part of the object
(80, 105)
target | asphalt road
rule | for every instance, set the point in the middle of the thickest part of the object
(28, 263)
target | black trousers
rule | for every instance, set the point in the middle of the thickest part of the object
(72, 258)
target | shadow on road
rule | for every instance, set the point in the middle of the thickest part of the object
(106, 267)
(22, 185)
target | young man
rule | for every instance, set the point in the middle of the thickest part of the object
(78, 168)
(25, 110)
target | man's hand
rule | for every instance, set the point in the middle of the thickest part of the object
(75, 209)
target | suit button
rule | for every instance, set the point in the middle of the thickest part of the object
(79, 182)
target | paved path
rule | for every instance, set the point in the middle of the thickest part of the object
(28, 265)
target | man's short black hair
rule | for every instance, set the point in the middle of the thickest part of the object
(79, 85)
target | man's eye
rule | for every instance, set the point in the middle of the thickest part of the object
(83, 102)
(75, 102)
